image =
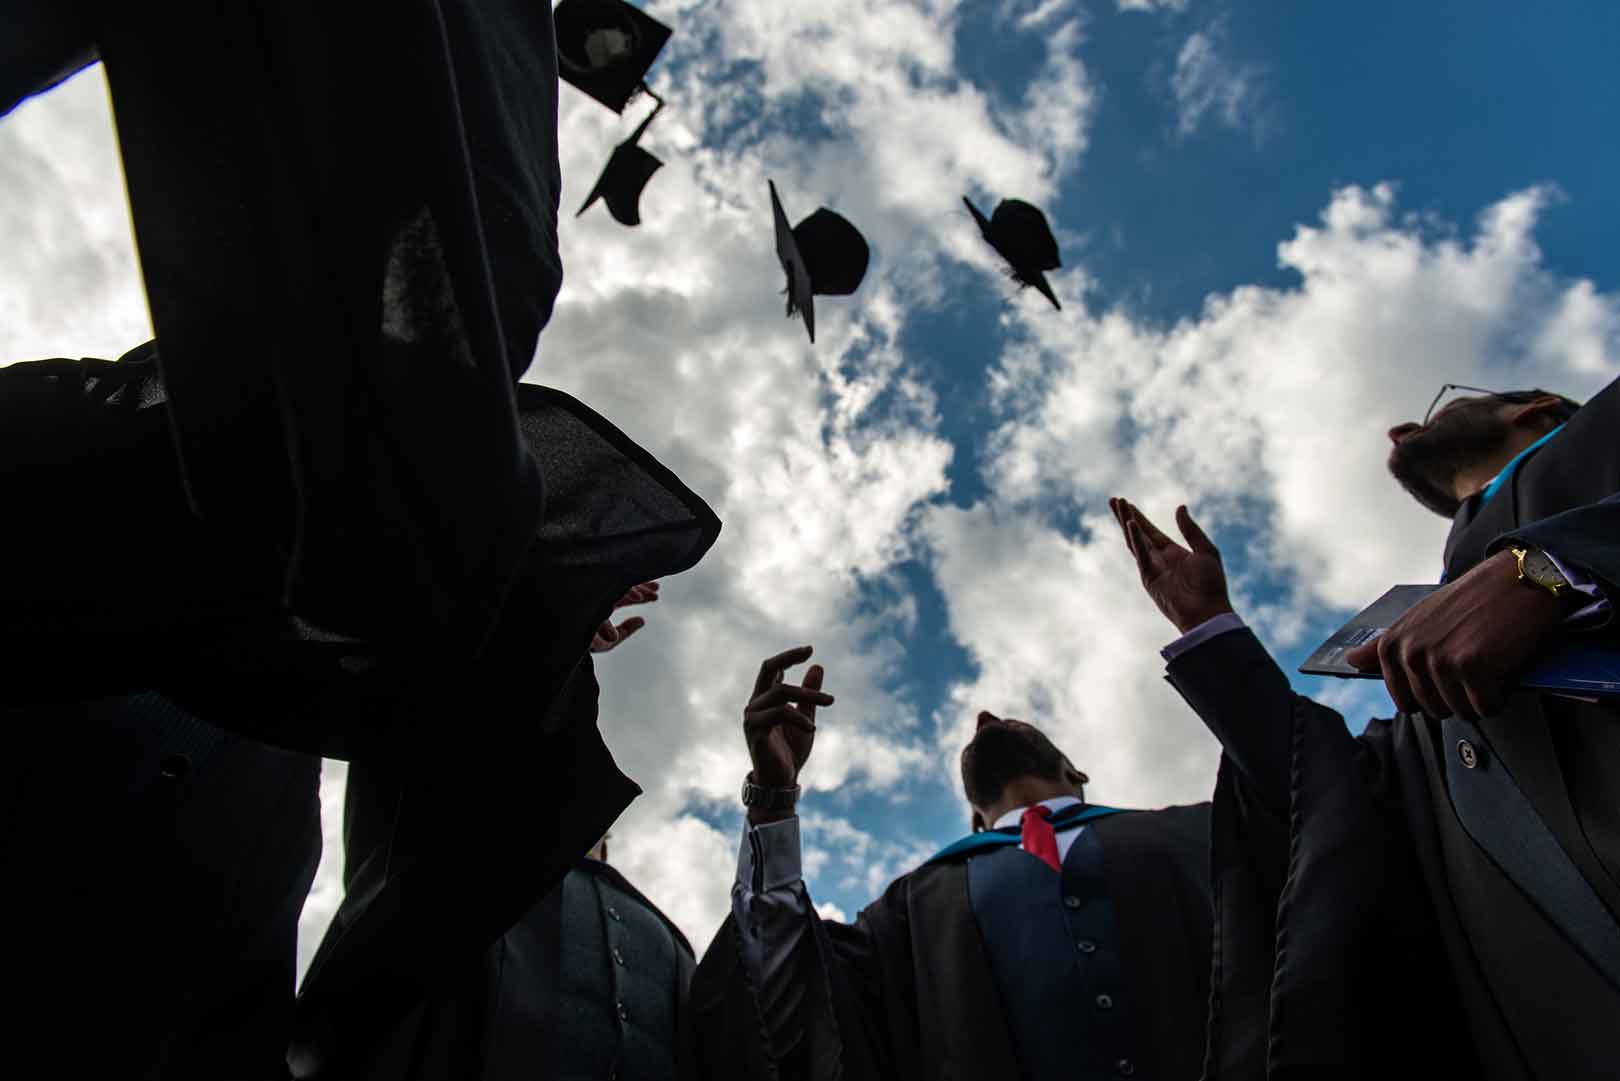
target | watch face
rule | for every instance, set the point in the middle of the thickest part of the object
(1538, 568)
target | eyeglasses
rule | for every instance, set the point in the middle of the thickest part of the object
(1506, 396)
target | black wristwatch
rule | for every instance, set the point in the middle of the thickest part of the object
(768, 799)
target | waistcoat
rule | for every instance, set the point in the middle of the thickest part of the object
(1054, 950)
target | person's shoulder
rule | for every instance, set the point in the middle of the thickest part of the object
(1177, 816)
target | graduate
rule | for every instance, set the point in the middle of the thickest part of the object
(1060, 940)
(1439, 895)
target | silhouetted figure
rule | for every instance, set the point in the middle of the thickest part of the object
(361, 530)
(589, 983)
(1020, 235)
(1455, 870)
(823, 255)
(1061, 940)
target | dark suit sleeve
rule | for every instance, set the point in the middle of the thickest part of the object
(1236, 688)
(1587, 538)
(839, 1004)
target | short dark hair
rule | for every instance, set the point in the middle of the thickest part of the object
(1566, 406)
(1022, 751)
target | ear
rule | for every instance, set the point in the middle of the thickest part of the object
(977, 822)
(1539, 412)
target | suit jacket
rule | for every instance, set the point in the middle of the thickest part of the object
(907, 990)
(1361, 906)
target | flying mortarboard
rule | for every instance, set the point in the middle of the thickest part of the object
(1020, 235)
(824, 254)
(604, 47)
(625, 175)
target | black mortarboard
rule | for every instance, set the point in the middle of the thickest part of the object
(824, 254)
(626, 173)
(1020, 235)
(605, 47)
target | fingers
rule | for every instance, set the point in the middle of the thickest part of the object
(1400, 689)
(629, 627)
(1146, 559)
(1363, 657)
(754, 723)
(812, 682)
(1197, 539)
(1154, 533)
(771, 671)
(778, 694)
(645, 593)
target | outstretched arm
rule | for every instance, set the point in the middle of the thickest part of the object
(1217, 665)
(770, 905)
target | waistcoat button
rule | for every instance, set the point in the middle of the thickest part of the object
(174, 767)
(618, 955)
(1071, 902)
(1087, 947)
(613, 914)
(1105, 1002)
(1126, 1067)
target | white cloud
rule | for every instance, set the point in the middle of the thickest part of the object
(68, 283)
(1153, 5)
(1268, 413)
(1207, 83)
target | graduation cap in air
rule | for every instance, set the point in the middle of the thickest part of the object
(604, 47)
(823, 255)
(1020, 235)
(626, 174)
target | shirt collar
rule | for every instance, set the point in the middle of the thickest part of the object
(1055, 804)
(1507, 471)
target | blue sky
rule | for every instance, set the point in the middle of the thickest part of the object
(1283, 227)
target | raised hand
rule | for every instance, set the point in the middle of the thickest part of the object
(608, 636)
(1188, 584)
(779, 721)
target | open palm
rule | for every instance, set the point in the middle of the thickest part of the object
(1187, 583)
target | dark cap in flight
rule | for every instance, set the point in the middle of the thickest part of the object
(823, 255)
(1020, 235)
(604, 47)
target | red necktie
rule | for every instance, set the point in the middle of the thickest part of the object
(1038, 838)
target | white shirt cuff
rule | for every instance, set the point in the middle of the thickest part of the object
(1581, 583)
(771, 851)
(1226, 621)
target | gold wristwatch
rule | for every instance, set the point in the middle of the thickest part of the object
(1536, 569)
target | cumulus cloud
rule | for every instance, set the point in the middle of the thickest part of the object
(1268, 413)
(68, 283)
(1207, 82)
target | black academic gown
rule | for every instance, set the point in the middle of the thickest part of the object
(907, 990)
(466, 1030)
(1362, 929)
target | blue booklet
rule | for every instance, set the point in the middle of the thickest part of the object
(1579, 665)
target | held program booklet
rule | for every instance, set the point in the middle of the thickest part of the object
(1578, 665)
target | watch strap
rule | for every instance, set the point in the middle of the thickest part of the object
(766, 798)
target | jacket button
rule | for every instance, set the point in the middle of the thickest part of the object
(613, 914)
(174, 767)
(1126, 1067)
(624, 1012)
(618, 955)
(1105, 1002)
(1071, 902)
(1087, 947)
(1467, 753)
